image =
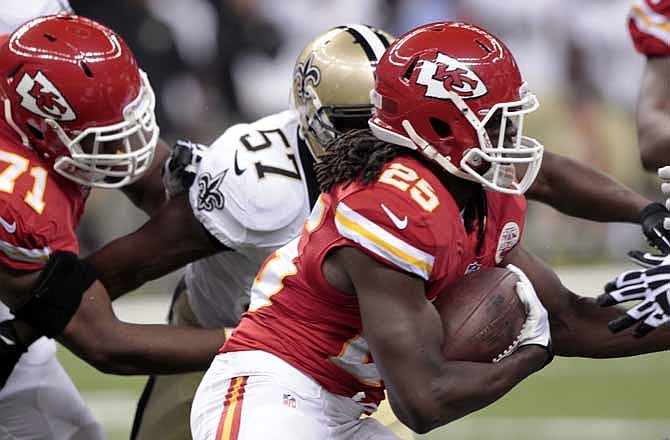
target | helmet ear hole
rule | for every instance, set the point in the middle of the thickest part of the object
(440, 127)
(408, 73)
(14, 71)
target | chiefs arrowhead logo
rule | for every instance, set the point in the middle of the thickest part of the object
(42, 97)
(445, 75)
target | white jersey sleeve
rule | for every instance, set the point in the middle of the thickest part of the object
(248, 190)
(14, 13)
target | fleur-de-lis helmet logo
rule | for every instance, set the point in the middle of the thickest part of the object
(304, 74)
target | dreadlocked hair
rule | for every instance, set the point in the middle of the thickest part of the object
(355, 155)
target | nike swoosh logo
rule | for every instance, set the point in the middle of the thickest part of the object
(400, 224)
(7, 340)
(9, 227)
(238, 171)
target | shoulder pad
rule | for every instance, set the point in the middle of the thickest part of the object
(252, 175)
(391, 227)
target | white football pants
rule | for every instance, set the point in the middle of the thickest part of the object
(253, 395)
(40, 401)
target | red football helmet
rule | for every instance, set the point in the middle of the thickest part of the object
(446, 89)
(72, 91)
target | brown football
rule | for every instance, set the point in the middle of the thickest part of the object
(482, 315)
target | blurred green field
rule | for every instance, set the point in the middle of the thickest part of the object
(570, 399)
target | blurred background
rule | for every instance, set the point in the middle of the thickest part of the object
(214, 63)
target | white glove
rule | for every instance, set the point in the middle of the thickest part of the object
(664, 174)
(536, 328)
(650, 286)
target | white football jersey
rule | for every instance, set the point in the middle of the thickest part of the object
(249, 193)
(14, 13)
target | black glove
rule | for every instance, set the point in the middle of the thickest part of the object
(651, 219)
(181, 167)
(11, 349)
(652, 287)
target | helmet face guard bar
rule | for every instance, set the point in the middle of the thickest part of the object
(501, 175)
(113, 170)
(327, 122)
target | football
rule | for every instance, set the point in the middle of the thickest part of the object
(482, 315)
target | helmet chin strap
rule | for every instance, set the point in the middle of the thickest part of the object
(430, 152)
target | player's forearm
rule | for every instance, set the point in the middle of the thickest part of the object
(151, 349)
(169, 240)
(143, 262)
(654, 142)
(580, 330)
(97, 336)
(593, 195)
(464, 387)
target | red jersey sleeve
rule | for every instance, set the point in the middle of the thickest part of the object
(400, 220)
(649, 26)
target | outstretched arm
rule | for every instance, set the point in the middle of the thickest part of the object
(405, 334)
(97, 336)
(169, 240)
(69, 304)
(579, 190)
(578, 324)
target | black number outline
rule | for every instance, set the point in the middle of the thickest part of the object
(262, 170)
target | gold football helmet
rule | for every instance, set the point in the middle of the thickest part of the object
(332, 80)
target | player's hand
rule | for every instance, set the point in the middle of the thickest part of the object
(654, 218)
(535, 330)
(652, 287)
(181, 167)
(11, 349)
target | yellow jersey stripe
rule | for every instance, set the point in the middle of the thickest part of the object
(381, 242)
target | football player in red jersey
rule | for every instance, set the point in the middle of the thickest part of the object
(77, 113)
(345, 310)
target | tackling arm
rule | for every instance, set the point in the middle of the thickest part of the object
(653, 114)
(405, 334)
(578, 324)
(593, 195)
(97, 336)
(68, 303)
(172, 238)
